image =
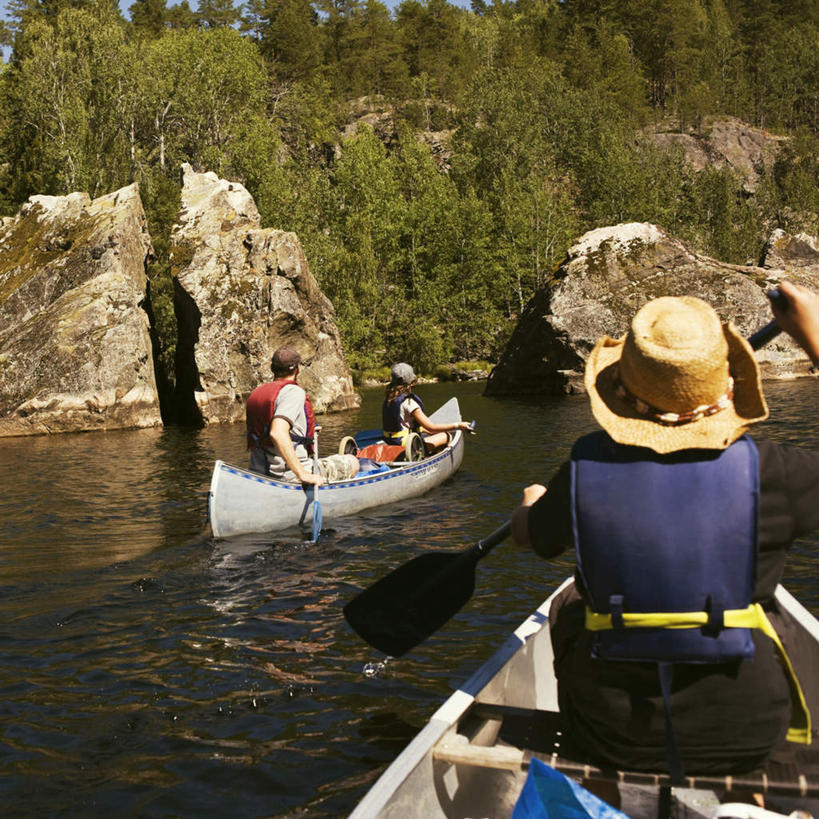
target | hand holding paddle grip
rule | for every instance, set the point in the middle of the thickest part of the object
(771, 330)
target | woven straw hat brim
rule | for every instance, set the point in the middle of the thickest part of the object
(627, 426)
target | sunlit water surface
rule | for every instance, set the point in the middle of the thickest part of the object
(148, 670)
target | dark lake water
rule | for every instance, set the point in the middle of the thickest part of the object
(148, 670)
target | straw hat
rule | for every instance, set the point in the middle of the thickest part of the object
(679, 379)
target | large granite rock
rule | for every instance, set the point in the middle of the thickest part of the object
(241, 292)
(728, 143)
(793, 253)
(75, 351)
(610, 273)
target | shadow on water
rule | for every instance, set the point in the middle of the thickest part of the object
(149, 670)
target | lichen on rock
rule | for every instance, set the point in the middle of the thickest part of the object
(241, 292)
(75, 351)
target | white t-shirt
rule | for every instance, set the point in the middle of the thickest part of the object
(408, 406)
(290, 406)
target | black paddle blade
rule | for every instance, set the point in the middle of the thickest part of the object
(412, 602)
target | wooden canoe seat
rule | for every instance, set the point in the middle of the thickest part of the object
(524, 734)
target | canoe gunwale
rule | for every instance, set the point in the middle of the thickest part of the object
(463, 736)
(400, 469)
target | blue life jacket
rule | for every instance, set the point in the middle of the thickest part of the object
(391, 414)
(659, 533)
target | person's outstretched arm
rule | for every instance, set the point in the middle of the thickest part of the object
(799, 318)
(543, 520)
(520, 517)
(420, 416)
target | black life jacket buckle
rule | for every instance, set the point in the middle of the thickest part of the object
(616, 609)
(716, 618)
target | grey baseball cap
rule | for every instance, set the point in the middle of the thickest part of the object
(403, 374)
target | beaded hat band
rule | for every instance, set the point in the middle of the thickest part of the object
(677, 354)
(673, 418)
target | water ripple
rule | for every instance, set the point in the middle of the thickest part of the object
(147, 669)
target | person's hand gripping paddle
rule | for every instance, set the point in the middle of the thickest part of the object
(412, 602)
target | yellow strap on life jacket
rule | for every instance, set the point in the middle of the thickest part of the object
(396, 437)
(752, 617)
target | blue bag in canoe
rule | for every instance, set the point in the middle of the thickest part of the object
(548, 794)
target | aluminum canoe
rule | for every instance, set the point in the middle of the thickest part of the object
(472, 757)
(242, 502)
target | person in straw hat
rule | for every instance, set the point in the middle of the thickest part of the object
(680, 523)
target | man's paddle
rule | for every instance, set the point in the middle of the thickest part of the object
(406, 606)
(317, 515)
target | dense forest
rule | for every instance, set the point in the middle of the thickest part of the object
(503, 132)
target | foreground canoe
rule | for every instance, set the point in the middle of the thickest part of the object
(242, 502)
(471, 759)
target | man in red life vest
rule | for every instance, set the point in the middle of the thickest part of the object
(281, 426)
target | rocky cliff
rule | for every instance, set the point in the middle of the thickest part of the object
(75, 352)
(611, 272)
(241, 292)
(727, 143)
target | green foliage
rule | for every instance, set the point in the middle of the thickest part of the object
(379, 375)
(790, 194)
(161, 199)
(217, 13)
(181, 16)
(148, 17)
(428, 254)
(200, 97)
(289, 36)
(64, 131)
(5, 34)
(718, 217)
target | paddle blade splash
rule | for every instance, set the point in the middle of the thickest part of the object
(412, 602)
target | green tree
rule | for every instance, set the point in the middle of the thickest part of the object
(367, 228)
(506, 153)
(6, 36)
(789, 196)
(445, 268)
(290, 37)
(599, 60)
(305, 112)
(217, 13)
(788, 94)
(148, 17)
(722, 220)
(721, 59)
(370, 57)
(202, 98)
(181, 16)
(64, 97)
(435, 42)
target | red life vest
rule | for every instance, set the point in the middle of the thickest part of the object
(261, 406)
